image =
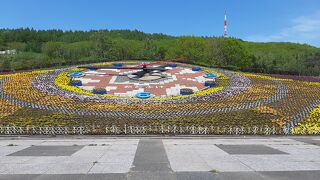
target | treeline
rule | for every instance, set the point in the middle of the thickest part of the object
(51, 48)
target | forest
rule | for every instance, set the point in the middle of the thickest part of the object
(57, 48)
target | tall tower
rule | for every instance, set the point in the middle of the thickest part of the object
(225, 34)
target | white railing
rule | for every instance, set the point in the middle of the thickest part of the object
(145, 130)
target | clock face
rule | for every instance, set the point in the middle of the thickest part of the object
(126, 82)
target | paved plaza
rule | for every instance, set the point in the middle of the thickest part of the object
(74, 157)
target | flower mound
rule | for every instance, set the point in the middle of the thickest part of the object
(242, 100)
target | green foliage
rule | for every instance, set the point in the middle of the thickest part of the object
(30, 60)
(53, 49)
(290, 57)
(228, 52)
(103, 46)
(34, 47)
(126, 49)
(149, 50)
(72, 52)
(236, 54)
(19, 46)
(5, 63)
(192, 49)
(47, 48)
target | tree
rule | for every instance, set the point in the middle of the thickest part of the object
(161, 53)
(53, 49)
(124, 49)
(149, 50)
(103, 47)
(17, 45)
(236, 54)
(192, 49)
(73, 52)
(6, 64)
(33, 46)
(215, 52)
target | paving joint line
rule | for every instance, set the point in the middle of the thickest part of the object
(94, 163)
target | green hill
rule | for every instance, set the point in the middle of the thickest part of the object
(49, 48)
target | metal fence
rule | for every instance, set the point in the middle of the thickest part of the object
(145, 130)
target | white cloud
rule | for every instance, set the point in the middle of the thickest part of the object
(303, 29)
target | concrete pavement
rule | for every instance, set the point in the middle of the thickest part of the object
(73, 157)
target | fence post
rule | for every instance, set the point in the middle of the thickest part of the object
(107, 130)
(181, 129)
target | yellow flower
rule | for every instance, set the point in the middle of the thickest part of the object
(311, 125)
(25, 73)
(263, 76)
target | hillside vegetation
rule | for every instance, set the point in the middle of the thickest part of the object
(51, 48)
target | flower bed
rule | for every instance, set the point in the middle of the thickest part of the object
(210, 84)
(170, 99)
(186, 91)
(26, 73)
(241, 99)
(117, 64)
(99, 91)
(7, 108)
(75, 74)
(75, 83)
(196, 69)
(311, 125)
(143, 95)
(172, 65)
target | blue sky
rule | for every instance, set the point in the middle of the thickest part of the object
(254, 20)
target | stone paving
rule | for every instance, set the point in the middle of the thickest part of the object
(156, 158)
